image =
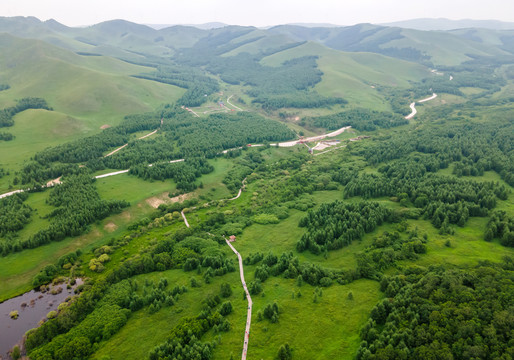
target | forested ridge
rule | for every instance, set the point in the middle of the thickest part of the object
(181, 138)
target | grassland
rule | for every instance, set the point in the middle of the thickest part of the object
(354, 75)
(86, 92)
(36, 130)
(442, 49)
(326, 329)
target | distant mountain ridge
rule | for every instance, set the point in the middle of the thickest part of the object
(447, 24)
(138, 43)
(205, 26)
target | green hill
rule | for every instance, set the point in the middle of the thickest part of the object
(437, 48)
(93, 90)
(354, 76)
(434, 48)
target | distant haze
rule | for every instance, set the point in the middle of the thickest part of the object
(256, 13)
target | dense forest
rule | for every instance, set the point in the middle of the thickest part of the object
(337, 224)
(443, 313)
(359, 119)
(14, 214)
(181, 138)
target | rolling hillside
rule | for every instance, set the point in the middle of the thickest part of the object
(133, 41)
(90, 90)
(430, 47)
(130, 155)
(354, 76)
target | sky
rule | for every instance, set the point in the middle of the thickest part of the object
(256, 12)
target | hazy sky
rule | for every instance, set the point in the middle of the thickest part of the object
(255, 12)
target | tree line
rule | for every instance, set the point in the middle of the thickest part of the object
(359, 119)
(181, 138)
(7, 114)
(77, 205)
(14, 214)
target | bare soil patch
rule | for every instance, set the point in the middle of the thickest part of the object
(54, 182)
(105, 126)
(164, 198)
(110, 227)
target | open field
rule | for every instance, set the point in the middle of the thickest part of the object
(143, 331)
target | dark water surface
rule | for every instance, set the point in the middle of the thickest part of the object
(38, 304)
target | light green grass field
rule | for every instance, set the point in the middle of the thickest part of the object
(36, 130)
(86, 92)
(131, 188)
(444, 50)
(324, 330)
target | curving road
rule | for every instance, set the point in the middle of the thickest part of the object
(139, 138)
(240, 191)
(413, 106)
(282, 144)
(12, 193)
(234, 106)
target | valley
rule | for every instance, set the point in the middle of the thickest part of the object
(282, 193)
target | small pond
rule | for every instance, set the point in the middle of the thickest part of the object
(32, 307)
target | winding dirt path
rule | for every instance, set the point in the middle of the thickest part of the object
(191, 111)
(241, 273)
(434, 95)
(234, 106)
(147, 135)
(184, 217)
(115, 150)
(240, 191)
(413, 106)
